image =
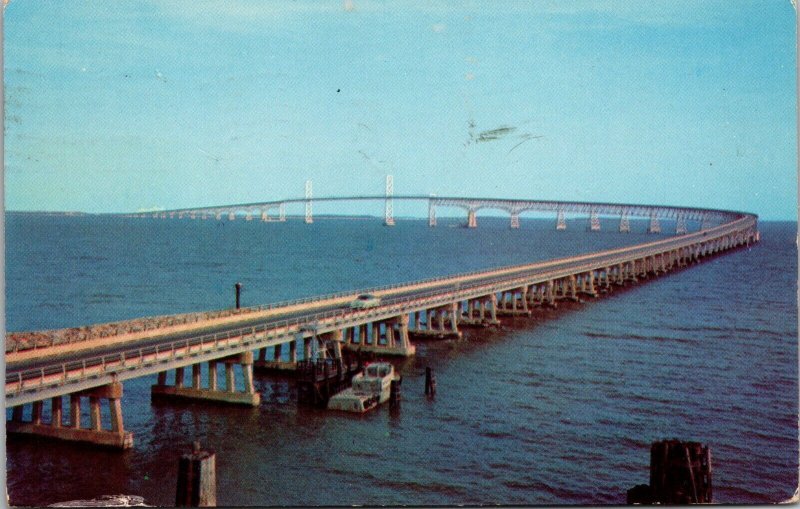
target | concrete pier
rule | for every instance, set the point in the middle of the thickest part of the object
(394, 341)
(115, 437)
(513, 303)
(212, 392)
(277, 364)
(475, 314)
(440, 323)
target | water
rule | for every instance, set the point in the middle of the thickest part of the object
(560, 409)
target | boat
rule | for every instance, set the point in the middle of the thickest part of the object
(369, 389)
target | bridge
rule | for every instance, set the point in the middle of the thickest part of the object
(92, 362)
(269, 211)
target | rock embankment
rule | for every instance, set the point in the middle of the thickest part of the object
(20, 341)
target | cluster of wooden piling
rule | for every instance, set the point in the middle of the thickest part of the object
(318, 380)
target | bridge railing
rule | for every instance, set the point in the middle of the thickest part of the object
(62, 373)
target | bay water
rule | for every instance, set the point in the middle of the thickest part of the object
(557, 409)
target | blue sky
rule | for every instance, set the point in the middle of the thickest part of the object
(137, 104)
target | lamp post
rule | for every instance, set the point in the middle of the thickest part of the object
(238, 287)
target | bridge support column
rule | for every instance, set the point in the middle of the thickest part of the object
(336, 337)
(531, 293)
(550, 293)
(656, 267)
(561, 222)
(515, 220)
(375, 333)
(402, 341)
(680, 226)
(587, 283)
(560, 289)
(680, 258)
(397, 340)
(472, 221)
(116, 437)
(196, 376)
(56, 411)
(248, 396)
(605, 281)
(212, 376)
(624, 222)
(630, 270)
(513, 305)
(643, 265)
(568, 288)
(523, 300)
(594, 221)
(655, 226)
(454, 313)
(36, 412)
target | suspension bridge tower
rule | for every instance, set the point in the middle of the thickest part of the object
(389, 212)
(309, 215)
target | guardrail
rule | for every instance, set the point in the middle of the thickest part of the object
(252, 337)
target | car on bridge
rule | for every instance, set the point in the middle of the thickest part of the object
(364, 301)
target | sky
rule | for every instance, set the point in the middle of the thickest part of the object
(131, 105)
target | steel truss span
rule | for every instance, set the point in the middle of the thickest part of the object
(513, 207)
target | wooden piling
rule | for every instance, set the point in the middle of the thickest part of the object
(430, 383)
(197, 479)
(680, 473)
(394, 393)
